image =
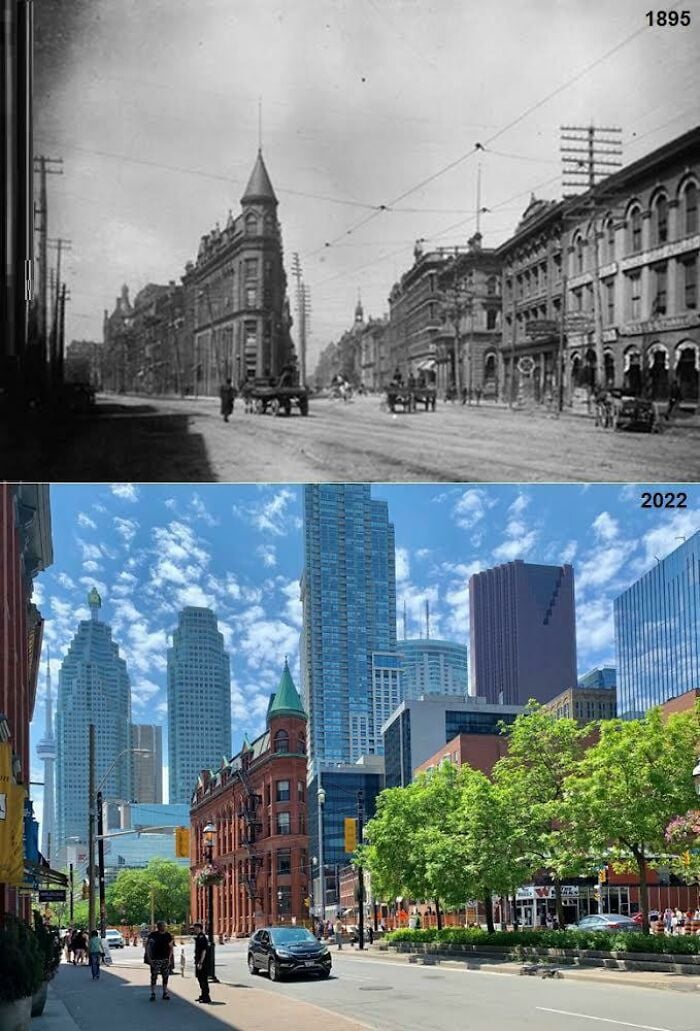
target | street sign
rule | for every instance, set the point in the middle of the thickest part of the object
(52, 895)
(542, 328)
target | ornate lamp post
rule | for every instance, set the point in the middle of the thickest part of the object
(209, 833)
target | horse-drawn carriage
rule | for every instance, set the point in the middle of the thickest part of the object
(408, 398)
(276, 398)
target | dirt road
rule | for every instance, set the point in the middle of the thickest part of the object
(173, 440)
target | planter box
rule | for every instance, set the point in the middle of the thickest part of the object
(659, 961)
(16, 1016)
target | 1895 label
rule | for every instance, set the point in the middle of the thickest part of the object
(662, 18)
(669, 499)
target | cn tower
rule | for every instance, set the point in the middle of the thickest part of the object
(46, 750)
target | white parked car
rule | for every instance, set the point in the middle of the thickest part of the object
(114, 938)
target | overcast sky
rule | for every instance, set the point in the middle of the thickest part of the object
(153, 107)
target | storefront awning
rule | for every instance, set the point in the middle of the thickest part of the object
(426, 365)
(41, 874)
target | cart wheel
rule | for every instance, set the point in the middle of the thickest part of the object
(259, 407)
(274, 406)
(303, 405)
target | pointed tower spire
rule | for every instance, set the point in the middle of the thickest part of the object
(259, 189)
(286, 701)
(95, 603)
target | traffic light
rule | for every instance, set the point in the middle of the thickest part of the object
(182, 842)
(350, 834)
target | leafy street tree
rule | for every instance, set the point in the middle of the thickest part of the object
(543, 753)
(163, 882)
(683, 836)
(629, 787)
(408, 840)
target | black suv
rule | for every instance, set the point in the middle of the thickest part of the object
(287, 950)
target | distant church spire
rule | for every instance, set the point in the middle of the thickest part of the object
(359, 311)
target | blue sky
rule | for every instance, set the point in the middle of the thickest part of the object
(152, 549)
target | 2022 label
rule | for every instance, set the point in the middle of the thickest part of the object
(669, 499)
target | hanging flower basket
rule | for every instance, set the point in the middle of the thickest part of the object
(209, 874)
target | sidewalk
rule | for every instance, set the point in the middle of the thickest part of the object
(120, 999)
(638, 978)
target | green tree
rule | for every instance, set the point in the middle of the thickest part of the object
(408, 838)
(629, 787)
(543, 753)
(163, 882)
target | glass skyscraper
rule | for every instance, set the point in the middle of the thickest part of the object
(199, 701)
(348, 590)
(93, 687)
(147, 762)
(657, 632)
(433, 667)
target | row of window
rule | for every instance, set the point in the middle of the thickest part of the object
(686, 299)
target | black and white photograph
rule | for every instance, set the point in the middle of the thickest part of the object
(376, 240)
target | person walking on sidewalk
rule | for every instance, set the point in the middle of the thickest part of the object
(338, 932)
(95, 954)
(201, 962)
(227, 393)
(159, 956)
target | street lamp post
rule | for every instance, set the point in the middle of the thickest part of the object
(321, 797)
(209, 833)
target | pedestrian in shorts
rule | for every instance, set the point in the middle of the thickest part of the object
(159, 956)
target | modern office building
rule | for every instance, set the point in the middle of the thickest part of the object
(603, 677)
(420, 727)
(340, 785)
(147, 744)
(522, 632)
(430, 666)
(199, 701)
(348, 590)
(46, 751)
(657, 632)
(152, 837)
(93, 688)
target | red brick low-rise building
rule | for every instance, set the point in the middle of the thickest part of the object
(257, 802)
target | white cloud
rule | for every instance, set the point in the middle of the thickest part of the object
(125, 491)
(403, 565)
(86, 521)
(471, 507)
(568, 553)
(268, 555)
(518, 545)
(194, 595)
(603, 564)
(91, 567)
(605, 527)
(126, 528)
(142, 691)
(595, 629)
(89, 551)
(89, 582)
(271, 515)
(520, 504)
(200, 511)
(668, 536)
(65, 581)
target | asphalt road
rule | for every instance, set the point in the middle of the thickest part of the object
(175, 440)
(392, 996)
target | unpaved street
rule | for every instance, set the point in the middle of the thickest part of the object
(132, 438)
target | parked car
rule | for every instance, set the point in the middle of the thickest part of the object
(115, 938)
(287, 950)
(653, 915)
(605, 922)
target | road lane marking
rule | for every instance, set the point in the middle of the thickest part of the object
(603, 1020)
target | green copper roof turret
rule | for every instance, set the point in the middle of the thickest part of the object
(286, 700)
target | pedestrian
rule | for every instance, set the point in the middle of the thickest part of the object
(338, 932)
(370, 934)
(183, 962)
(159, 955)
(227, 393)
(67, 943)
(95, 954)
(201, 962)
(668, 920)
(79, 946)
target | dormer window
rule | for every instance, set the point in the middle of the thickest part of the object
(251, 224)
(281, 741)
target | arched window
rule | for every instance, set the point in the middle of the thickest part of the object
(492, 286)
(578, 255)
(301, 744)
(251, 224)
(690, 209)
(660, 220)
(281, 741)
(634, 229)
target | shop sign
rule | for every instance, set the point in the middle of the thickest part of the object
(669, 250)
(542, 328)
(546, 891)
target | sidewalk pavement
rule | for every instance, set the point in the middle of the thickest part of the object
(120, 999)
(660, 980)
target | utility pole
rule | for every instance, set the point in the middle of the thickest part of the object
(596, 153)
(91, 826)
(360, 873)
(42, 165)
(101, 865)
(303, 311)
(60, 245)
(70, 888)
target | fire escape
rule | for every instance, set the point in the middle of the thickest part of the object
(248, 812)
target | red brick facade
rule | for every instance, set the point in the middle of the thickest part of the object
(25, 549)
(257, 802)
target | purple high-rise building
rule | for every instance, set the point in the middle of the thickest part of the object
(522, 632)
